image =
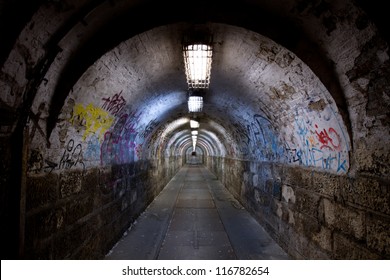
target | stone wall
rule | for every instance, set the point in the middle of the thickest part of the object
(313, 214)
(78, 214)
(9, 200)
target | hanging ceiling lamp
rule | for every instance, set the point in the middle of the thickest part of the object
(197, 62)
(194, 124)
(195, 101)
(197, 54)
(194, 139)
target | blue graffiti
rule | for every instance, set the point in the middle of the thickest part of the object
(311, 156)
(93, 149)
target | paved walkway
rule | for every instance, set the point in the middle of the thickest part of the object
(195, 217)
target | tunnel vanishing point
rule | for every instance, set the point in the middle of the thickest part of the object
(94, 120)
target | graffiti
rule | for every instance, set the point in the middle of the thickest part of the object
(72, 156)
(105, 149)
(266, 142)
(341, 164)
(115, 104)
(258, 131)
(131, 122)
(240, 134)
(323, 148)
(302, 124)
(119, 143)
(149, 129)
(311, 156)
(92, 152)
(35, 120)
(50, 166)
(293, 155)
(93, 120)
(117, 149)
(329, 139)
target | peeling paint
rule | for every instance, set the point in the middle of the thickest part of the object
(317, 105)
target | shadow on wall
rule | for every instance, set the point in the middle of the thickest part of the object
(80, 214)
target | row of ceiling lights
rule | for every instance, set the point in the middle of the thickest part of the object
(197, 62)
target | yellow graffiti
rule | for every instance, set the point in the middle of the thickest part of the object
(93, 119)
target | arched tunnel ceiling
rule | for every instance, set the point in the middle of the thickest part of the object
(136, 91)
(114, 79)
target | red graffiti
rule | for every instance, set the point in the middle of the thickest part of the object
(329, 139)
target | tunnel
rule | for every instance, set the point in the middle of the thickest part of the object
(95, 123)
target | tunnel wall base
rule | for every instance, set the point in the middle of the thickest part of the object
(312, 214)
(80, 214)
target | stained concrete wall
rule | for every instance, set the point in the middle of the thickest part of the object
(311, 213)
(76, 214)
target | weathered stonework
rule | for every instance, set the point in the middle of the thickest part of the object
(320, 215)
(81, 214)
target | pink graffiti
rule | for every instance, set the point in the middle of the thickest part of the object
(131, 121)
(329, 139)
(119, 143)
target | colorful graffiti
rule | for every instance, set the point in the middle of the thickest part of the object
(312, 156)
(328, 138)
(109, 138)
(119, 144)
(318, 143)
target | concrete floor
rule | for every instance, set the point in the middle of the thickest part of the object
(196, 218)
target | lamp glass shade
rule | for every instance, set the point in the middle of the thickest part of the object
(195, 104)
(197, 61)
(194, 124)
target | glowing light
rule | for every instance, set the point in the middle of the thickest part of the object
(197, 61)
(194, 124)
(195, 104)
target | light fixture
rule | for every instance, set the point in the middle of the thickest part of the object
(194, 132)
(194, 139)
(194, 124)
(197, 62)
(195, 104)
(197, 53)
(195, 100)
